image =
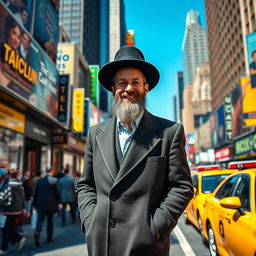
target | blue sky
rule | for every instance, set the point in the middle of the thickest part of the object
(159, 28)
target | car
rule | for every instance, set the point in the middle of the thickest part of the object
(230, 215)
(205, 180)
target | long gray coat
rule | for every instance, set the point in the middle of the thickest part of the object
(123, 208)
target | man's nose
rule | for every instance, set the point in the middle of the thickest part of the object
(129, 87)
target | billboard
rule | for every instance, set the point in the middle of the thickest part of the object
(24, 68)
(251, 54)
(46, 27)
(249, 102)
(21, 10)
(66, 60)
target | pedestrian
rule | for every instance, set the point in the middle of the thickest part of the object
(68, 196)
(47, 202)
(136, 181)
(27, 184)
(12, 212)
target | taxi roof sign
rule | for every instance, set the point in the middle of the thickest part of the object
(207, 167)
(242, 164)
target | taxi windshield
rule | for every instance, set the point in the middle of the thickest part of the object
(209, 183)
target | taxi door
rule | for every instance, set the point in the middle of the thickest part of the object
(236, 227)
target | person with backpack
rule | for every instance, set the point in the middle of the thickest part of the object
(12, 203)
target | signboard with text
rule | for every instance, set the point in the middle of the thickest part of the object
(94, 84)
(78, 110)
(27, 73)
(64, 99)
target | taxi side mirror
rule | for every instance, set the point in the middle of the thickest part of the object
(195, 191)
(231, 202)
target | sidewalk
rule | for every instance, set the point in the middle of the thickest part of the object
(69, 240)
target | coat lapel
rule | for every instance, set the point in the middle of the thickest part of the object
(106, 142)
(143, 142)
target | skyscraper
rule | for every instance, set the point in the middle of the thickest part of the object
(226, 49)
(180, 89)
(194, 47)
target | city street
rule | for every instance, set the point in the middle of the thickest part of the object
(185, 241)
(68, 241)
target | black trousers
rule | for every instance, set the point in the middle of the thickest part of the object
(10, 232)
(40, 222)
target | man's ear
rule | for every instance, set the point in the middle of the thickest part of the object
(146, 88)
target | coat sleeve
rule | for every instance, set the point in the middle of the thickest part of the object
(85, 187)
(180, 189)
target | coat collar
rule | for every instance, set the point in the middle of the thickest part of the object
(143, 142)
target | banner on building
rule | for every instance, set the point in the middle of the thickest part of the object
(21, 10)
(249, 102)
(78, 110)
(46, 27)
(237, 111)
(25, 69)
(66, 60)
(228, 117)
(251, 54)
(64, 99)
(94, 84)
(130, 37)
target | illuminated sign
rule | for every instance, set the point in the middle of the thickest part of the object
(11, 119)
(63, 115)
(228, 117)
(94, 84)
(78, 110)
(243, 145)
(222, 153)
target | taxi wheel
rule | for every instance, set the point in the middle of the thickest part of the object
(212, 242)
(200, 225)
(185, 218)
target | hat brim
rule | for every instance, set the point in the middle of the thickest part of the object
(108, 71)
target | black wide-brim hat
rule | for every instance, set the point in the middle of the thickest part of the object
(128, 57)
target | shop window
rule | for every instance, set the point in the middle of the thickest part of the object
(11, 147)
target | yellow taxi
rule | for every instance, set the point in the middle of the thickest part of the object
(230, 214)
(205, 179)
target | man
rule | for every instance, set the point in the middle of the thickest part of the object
(24, 47)
(47, 202)
(136, 180)
(253, 70)
(68, 196)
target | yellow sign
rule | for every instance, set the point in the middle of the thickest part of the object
(78, 110)
(12, 119)
(249, 103)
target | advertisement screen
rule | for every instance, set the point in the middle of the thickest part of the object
(249, 102)
(251, 54)
(24, 68)
(22, 11)
(46, 27)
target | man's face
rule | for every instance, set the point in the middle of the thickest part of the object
(129, 86)
(254, 57)
(25, 40)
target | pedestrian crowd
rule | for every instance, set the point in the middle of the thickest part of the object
(27, 198)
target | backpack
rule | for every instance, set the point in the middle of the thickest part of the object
(5, 194)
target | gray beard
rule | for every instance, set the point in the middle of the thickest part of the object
(128, 113)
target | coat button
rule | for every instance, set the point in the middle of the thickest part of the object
(112, 223)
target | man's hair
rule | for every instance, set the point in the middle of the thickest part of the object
(253, 53)
(66, 170)
(236, 94)
(48, 170)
